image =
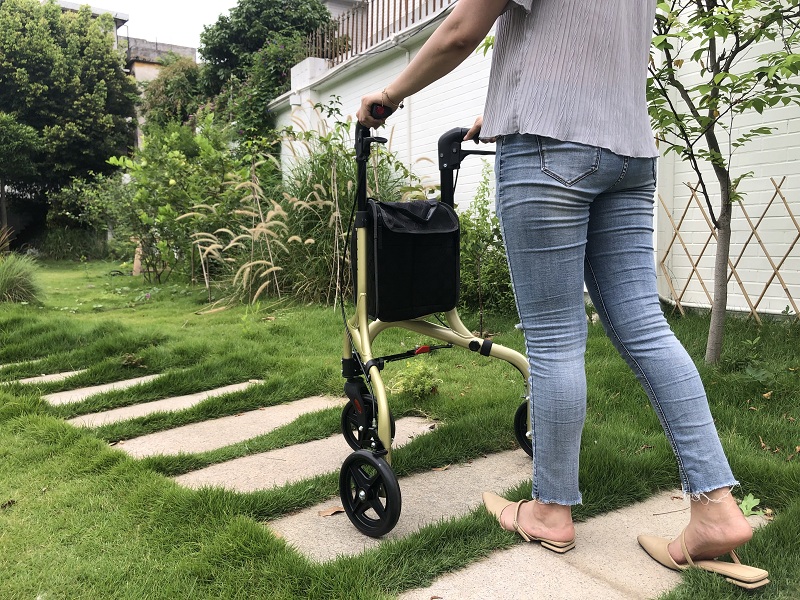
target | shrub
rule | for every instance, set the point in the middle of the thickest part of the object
(177, 169)
(485, 280)
(244, 251)
(18, 281)
(6, 235)
(419, 379)
(288, 237)
(320, 192)
(65, 243)
(82, 214)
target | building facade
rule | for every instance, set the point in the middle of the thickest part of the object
(384, 35)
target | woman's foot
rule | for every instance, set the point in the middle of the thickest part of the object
(550, 525)
(735, 572)
(548, 521)
(716, 527)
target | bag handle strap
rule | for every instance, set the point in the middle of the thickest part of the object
(412, 215)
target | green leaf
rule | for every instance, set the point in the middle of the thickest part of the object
(747, 505)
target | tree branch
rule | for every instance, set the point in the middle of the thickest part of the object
(684, 134)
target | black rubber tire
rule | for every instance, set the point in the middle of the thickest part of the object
(521, 428)
(349, 423)
(370, 493)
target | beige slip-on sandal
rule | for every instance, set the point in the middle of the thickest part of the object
(495, 505)
(734, 572)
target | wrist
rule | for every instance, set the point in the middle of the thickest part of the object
(391, 99)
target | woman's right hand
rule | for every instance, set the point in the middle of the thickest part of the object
(475, 131)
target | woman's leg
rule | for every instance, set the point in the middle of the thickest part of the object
(545, 189)
(621, 279)
(544, 220)
(544, 192)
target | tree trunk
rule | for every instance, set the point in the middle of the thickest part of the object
(719, 308)
(480, 297)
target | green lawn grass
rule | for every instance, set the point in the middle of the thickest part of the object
(79, 519)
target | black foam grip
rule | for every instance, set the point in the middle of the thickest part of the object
(379, 111)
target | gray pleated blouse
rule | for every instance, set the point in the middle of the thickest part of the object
(573, 70)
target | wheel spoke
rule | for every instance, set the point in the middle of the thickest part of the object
(378, 507)
(362, 482)
(353, 424)
(360, 477)
(361, 506)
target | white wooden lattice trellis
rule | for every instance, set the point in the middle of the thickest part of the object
(695, 252)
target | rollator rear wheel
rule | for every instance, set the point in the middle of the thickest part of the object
(521, 428)
(356, 439)
(370, 493)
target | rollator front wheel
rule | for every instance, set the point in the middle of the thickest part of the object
(521, 430)
(370, 493)
(356, 439)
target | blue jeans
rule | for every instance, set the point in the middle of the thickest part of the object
(574, 214)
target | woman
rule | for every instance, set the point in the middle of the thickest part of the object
(575, 171)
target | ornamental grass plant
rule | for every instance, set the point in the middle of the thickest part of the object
(18, 279)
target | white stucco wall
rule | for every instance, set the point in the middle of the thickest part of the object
(458, 98)
(454, 101)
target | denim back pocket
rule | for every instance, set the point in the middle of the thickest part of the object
(567, 162)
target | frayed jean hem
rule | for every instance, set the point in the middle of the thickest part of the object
(702, 496)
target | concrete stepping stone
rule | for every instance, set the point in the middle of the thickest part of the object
(294, 463)
(24, 362)
(427, 498)
(166, 405)
(217, 433)
(50, 378)
(606, 563)
(72, 396)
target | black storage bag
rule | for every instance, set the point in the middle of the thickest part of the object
(412, 259)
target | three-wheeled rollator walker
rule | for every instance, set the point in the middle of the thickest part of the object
(406, 267)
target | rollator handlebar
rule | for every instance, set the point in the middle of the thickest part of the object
(450, 155)
(378, 111)
(450, 152)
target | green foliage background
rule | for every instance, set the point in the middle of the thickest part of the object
(61, 75)
(175, 95)
(231, 45)
(61, 78)
(485, 280)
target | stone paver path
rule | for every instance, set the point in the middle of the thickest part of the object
(607, 562)
(217, 433)
(83, 393)
(426, 498)
(167, 405)
(295, 463)
(51, 377)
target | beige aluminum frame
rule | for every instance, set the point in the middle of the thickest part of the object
(361, 333)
